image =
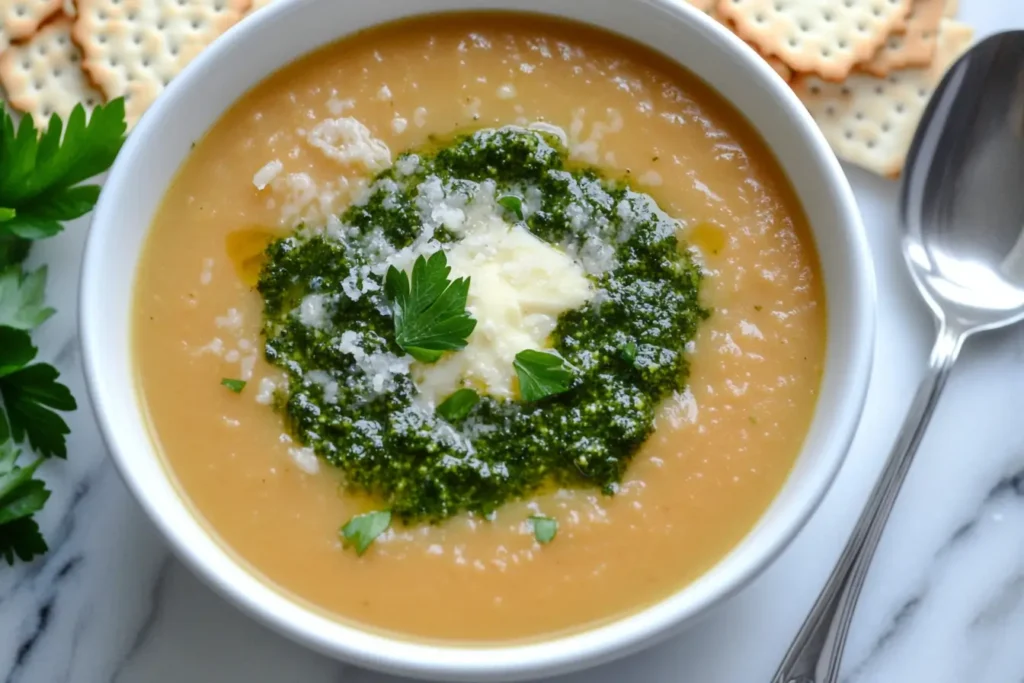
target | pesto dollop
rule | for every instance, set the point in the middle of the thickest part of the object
(350, 395)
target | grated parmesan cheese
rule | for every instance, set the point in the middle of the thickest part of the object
(348, 141)
(266, 175)
(520, 285)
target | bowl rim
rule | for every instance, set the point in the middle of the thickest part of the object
(547, 656)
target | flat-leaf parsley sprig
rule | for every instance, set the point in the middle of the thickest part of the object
(429, 309)
(41, 186)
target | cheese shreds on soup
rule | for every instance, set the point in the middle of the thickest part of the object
(672, 436)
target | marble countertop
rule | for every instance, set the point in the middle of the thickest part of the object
(944, 602)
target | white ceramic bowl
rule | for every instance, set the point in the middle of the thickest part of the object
(285, 31)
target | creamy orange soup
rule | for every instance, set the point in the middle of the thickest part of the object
(722, 449)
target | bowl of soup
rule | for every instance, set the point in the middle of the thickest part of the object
(477, 339)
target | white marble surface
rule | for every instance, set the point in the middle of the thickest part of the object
(943, 604)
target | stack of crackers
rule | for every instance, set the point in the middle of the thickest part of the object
(57, 53)
(865, 69)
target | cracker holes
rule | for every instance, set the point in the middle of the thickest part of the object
(828, 16)
(793, 42)
(62, 40)
(815, 90)
(137, 39)
(102, 38)
(218, 6)
(47, 110)
(90, 101)
(20, 10)
(922, 93)
(779, 7)
(876, 10)
(804, 26)
(38, 84)
(173, 49)
(848, 134)
(862, 27)
(859, 115)
(886, 127)
(900, 108)
(879, 90)
(196, 24)
(759, 18)
(58, 72)
(842, 44)
(826, 52)
(870, 144)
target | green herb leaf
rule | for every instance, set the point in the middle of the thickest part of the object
(544, 528)
(541, 374)
(6, 214)
(361, 530)
(235, 385)
(21, 496)
(429, 310)
(21, 298)
(513, 204)
(458, 405)
(34, 167)
(31, 394)
(21, 539)
(629, 352)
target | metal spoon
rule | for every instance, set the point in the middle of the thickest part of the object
(962, 215)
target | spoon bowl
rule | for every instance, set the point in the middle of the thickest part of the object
(962, 201)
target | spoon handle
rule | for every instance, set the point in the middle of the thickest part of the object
(817, 650)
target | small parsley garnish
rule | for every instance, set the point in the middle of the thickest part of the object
(361, 530)
(41, 176)
(430, 310)
(21, 298)
(458, 405)
(544, 528)
(513, 204)
(235, 385)
(757, 307)
(629, 352)
(541, 374)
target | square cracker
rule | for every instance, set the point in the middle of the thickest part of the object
(826, 37)
(133, 48)
(19, 19)
(44, 76)
(913, 47)
(708, 7)
(871, 121)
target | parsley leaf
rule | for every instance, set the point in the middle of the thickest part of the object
(31, 394)
(513, 204)
(361, 530)
(21, 298)
(21, 496)
(458, 405)
(541, 374)
(629, 352)
(6, 214)
(40, 175)
(544, 528)
(235, 385)
(429, 310)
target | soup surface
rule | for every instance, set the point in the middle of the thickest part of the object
(721, 449)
